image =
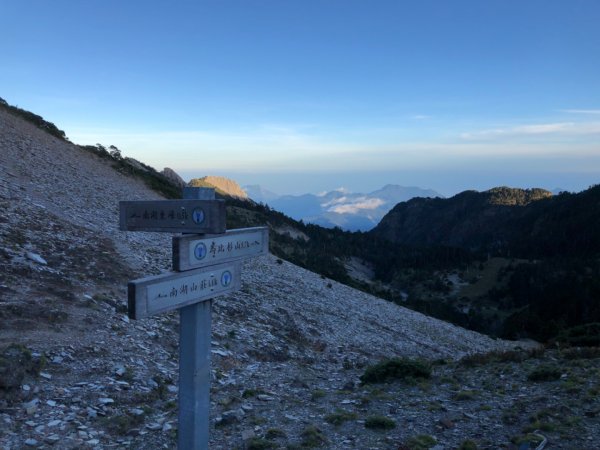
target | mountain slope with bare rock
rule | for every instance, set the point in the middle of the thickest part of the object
(289, 349)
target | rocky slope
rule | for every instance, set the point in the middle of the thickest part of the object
(288, 349)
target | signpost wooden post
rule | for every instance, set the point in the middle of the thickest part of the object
(193, 251)
(206, 265)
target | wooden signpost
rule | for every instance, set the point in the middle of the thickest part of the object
(190, 252)
(206, 265)
(175, 216)
(166, 292)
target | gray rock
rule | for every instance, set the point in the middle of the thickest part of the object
(248, 434)
(36, 258)
(52, 439)
(174, 177)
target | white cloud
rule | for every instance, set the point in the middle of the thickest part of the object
(341, 190)
(581, 111)
(566, 128)
(421, 117)
(357, 205)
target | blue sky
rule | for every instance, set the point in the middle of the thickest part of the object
(304, 96)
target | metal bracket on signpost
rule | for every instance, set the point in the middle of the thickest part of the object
(194, 362)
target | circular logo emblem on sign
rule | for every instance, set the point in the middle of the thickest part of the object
(226, 278)
(198, 215)
(200, 251)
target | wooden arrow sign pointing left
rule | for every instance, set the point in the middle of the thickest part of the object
(162, 293)
(174, 216)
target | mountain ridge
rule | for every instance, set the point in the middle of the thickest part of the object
(65, 267)
(522, 222)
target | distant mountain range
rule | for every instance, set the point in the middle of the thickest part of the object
(341, 208)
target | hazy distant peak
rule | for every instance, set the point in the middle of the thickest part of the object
(405, 192)
(259, 194)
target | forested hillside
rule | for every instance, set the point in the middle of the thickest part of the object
(537, 260)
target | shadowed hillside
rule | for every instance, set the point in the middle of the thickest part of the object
(538, 253)
(472, 220)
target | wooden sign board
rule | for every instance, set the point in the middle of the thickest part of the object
(161, 293)
(192, 251)
(175, 216)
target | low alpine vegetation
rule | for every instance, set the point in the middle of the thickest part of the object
(396, 369)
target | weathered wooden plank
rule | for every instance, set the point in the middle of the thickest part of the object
(192, 251)
(161, 293)
(174, 216)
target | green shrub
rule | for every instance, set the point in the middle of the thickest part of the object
(587, 335)
(544, 373)
(275, 433)
(468, 445)
(421, 442)
(465, 395)
(259, 444)
(396, 369)
(317, 394)
(16, 363)
(480, 359)
(249, 393)
(313, 437)
(533, 439)
(339, 417)
(379, 423)
(581, 353)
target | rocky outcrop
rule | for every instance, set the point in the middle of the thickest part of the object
(174, 177)
(222, 184)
